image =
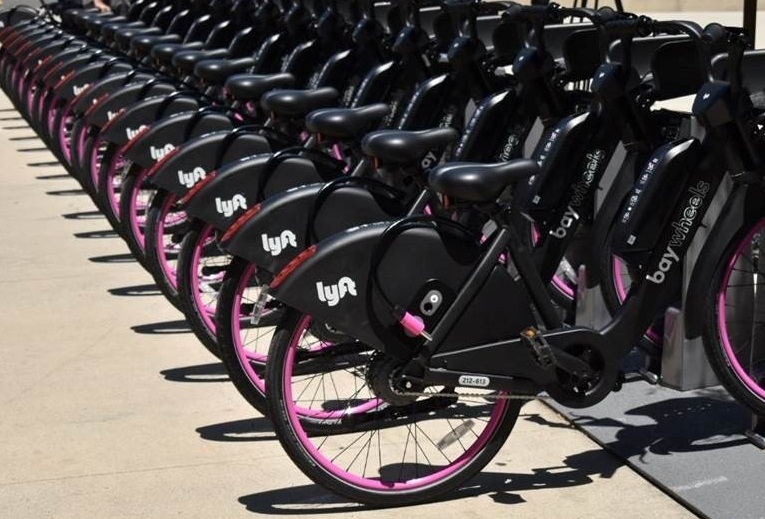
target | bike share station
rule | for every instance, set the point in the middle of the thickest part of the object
(676, 425)
(672, 420)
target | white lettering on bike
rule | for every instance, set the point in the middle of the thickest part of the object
(277, 244)
(191, 178)
(332, 294)
(681, 228)
(80, 89)
(227, 207)
(131, 133)
(158, 153)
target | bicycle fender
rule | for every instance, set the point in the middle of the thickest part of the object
(166, 134)
(419, 265)
(83, 79)
(743, 208)
(290, 221)
(181, 170)
(234, 189)
(104, 86)
(121, 98)
(276, 233)
(142, 114)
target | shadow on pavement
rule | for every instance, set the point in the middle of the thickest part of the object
(31, 150)
(46, 164)
(96, 235)
(58, 176)
(24, 138)
(679, 425)
(247, 430)
(116, 258)
(66, 192)
(163, 328)
(213, 372)
(83, 215)
(135, 290)
(502, 487)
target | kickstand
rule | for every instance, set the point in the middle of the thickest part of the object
(756, 431)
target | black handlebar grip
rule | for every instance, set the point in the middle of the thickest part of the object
(640, 26)
(546, 13)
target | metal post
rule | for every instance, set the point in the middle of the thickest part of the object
(750, 17)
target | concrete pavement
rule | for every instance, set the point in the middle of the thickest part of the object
(111, 409)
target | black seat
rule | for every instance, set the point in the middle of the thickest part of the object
(186, 60)
(164, 51)
(251, 87)
(478, 182)
(299, 103)
(144, 44)
(123, 36)
(406, 147)
(95, 23)
(344, 123)
(217, 71)
(111, 30)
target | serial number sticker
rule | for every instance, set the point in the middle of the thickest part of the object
(470, 380)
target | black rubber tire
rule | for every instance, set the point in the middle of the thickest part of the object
(711, 335)
(287, 437)
(186, 289)
(225, 337)
(87, 181)
(153, 262)
(102, 193)
(130, 184)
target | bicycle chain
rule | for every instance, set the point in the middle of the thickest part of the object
(478, 395)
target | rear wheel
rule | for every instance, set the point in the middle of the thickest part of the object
(402, 448)
(134, 200)
(244, 345)
(165, 227)
(201, 268)
(734, 332)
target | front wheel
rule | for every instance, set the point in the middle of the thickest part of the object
(734, 333)
(408, 448)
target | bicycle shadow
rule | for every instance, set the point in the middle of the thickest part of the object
(502, 487)
(706, 422)
(163, 328)
(205, 373)
(97, 235)
(66, 192)
(248, 430)
(58, 176)
(84, 215)
(115, 259)
(131, 291)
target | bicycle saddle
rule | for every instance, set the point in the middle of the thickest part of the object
(217, 71)
(186, 60)
(124, 36)
(406, 147)
(112, 30)
(299, 103)
(250, 87)
(95, 23)
(145, 43)
(344, 123)
(477, 182)
(164, 51)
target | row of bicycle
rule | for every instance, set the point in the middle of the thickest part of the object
(336, 196)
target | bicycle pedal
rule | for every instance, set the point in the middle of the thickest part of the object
(543, 352)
